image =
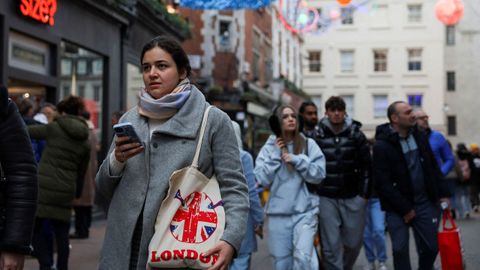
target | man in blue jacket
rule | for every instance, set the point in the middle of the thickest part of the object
(410, 186)
(441, 150)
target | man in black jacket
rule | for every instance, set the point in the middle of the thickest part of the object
(18, 197)
(343, 191)
(409, 184)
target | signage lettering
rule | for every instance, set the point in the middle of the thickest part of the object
(181, 254)
(40, 10)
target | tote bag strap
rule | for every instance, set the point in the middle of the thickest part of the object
(447, 217)
(200, 137)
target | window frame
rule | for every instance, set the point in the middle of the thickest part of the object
(415, 13)
(414, 61)
(380, 64)
(343, 68)
(315, 63)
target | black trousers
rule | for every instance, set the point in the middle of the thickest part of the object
(425, 228)
(83, 220)
(45, 231)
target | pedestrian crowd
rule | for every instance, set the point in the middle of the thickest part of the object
(331, 190)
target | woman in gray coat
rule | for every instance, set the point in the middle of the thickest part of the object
(135, 176)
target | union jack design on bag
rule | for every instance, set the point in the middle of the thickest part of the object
(196, 219)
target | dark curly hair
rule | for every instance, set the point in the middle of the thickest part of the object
(335, 103)
(71, 105)
(172, 47)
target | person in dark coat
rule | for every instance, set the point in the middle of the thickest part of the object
(18, 199)
(410, 186)
(61, 173)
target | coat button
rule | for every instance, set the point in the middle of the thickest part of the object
(155, 145)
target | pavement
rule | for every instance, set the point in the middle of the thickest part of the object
(84, 254)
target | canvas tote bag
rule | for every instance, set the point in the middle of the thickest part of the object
(191, 218)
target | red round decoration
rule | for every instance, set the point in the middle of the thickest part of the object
(449, 12)
(344, 2)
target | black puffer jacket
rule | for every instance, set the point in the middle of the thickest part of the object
(392, 177)
(18, 162)
(348, 160)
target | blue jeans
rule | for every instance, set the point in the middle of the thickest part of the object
(374, 233)
(242, 262)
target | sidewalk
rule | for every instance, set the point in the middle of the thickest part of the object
(84, 254)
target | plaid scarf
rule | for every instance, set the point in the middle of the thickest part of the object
(166, 106)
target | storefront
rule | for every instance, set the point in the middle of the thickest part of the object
(56, 48)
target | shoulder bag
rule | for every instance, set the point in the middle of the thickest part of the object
(191, 218)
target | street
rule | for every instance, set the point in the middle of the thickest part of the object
(85, 253)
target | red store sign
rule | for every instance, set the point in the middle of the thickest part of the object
(40, 10)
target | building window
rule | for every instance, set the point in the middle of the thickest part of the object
(380, 105)
(315, 61)
(349, 104)
(415, 100)
(450, 35)
(415, 13)
(224, 34)
(380, 60)
(414, 59)
(66, 90)
(65, 67)
(82, 67)
(81, 90)
(451, 125)
(97, 67)
(347, 15)
(97, 91)
(346, 61)
(451, 81)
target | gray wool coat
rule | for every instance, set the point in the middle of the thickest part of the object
(144, 181)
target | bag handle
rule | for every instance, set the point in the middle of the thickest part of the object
(200, 137)
(446, 216)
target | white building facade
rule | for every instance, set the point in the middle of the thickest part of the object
(375, 54)
(462, 80)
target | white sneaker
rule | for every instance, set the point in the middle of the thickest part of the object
(369, 266)
(382, 266)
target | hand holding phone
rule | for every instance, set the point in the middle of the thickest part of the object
(126, 129)
(127, 143)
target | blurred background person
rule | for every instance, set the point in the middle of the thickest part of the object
(27, 111)
(61, 175)
(309, 115)
(463, 184)
(83, 205)
(18, 203)
(255, 214)
(291, 208)
(475, 180)
(116, 117)
(47, 113)
(374, 232)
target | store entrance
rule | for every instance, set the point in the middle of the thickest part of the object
(19, 90)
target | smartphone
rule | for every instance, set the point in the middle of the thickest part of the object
(126, 129)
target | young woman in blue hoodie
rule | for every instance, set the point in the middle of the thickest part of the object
(286, 164)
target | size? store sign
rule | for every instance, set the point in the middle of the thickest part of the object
(40, 10)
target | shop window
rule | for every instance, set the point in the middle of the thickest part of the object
(73, 81)
(134, 84)
(317, 100)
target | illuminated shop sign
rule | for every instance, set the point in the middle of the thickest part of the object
(40, 10)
